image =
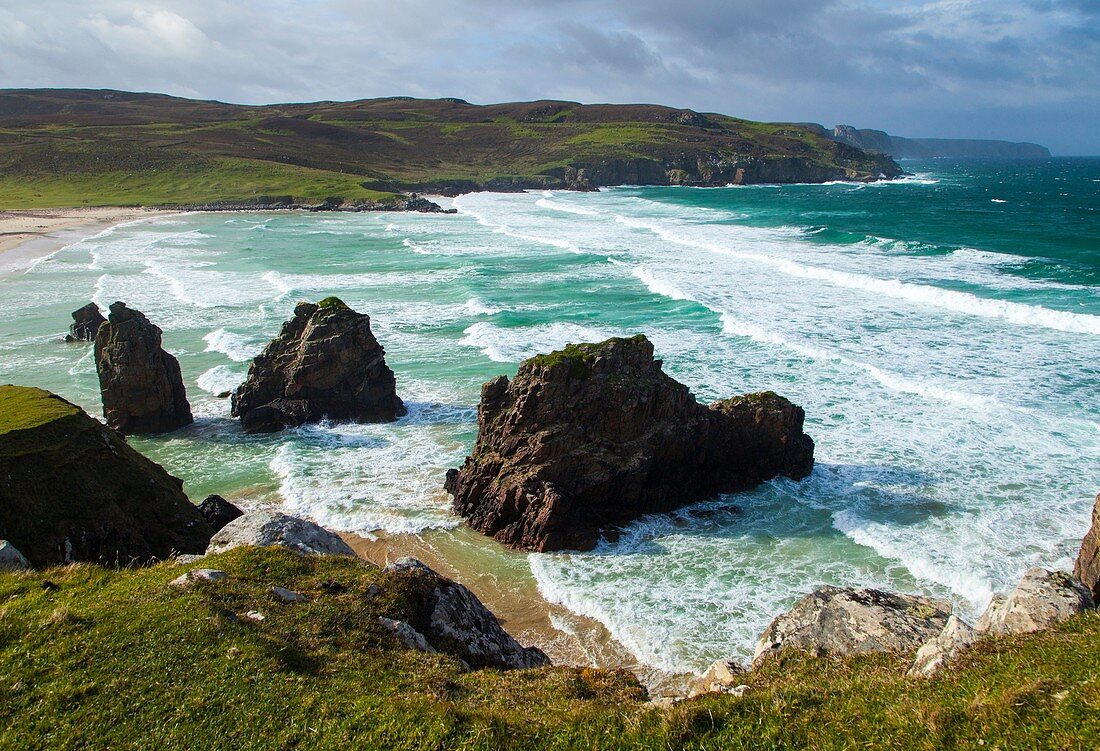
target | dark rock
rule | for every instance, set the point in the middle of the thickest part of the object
(596, 435)
(72, 489)
(141, 384)
(218, 512)
(1087, 567)
(86, 323)
(447, 617)
(325, 363)
(840, 622)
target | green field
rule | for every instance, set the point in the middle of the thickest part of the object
(103, 659)
(62, 148)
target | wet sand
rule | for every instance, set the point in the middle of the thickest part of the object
(26, 236)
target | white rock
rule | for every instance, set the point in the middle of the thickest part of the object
(266, 529)
(931, 658)
(408, 635)
(197, 574)
(1041, 600)
(11, 559)
(405, 564)
(723, 676)
(286, 595)
(254, 615)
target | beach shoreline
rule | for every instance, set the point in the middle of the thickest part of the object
(27, 236)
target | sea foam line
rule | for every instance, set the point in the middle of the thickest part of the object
(959, 302)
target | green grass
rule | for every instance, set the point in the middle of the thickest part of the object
(120, 660)
(87, 148)
(22, 408)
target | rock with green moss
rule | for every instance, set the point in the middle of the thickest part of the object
(72, 489)
(595, 435)
(325, 363)
(141, 383)
(839, 622)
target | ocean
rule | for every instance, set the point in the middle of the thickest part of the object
(941, 331)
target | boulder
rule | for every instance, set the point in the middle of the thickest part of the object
(140, 383)
(834, 621)
(284, 595)
(596, 435)
(1042, 599)
(934, 654)
(72, 489)
(407, 635)
(199, 574)
(723, 676)
(453, 621)
(325, 363)
(86, 323)
(1087, 567)
(218, 512)
(11, 559)
(266, 529)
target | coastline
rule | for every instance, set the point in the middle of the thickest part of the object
(29, 235)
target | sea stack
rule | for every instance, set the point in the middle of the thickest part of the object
(325, 363)
(86, 323)
(74, 490)
(596, 435)
(141, 384)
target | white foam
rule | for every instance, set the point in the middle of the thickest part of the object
(513, 345)
(475, 306)
(658, 286)
(219, 379)
(565, 207)
(236, 347)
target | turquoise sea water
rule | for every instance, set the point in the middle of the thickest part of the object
(942, 333)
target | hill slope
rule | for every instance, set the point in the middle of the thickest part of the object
(101, 658)
(83, 147)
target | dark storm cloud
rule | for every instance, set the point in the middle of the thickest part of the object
(1018, 69)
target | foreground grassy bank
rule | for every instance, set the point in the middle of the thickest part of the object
(95, 658)
(62, 148)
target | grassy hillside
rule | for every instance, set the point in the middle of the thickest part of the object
(80, 147)
(94, 658)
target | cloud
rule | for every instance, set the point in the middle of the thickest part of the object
(1020, 69)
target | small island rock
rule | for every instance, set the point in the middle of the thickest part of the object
(596, 435)
(839, 622)
(86, 323)
(325, 363)
(140, 382)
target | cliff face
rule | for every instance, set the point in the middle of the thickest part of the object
(597, 435)
(877, 141)
(325, 363)
(141, 383)
(73, 490)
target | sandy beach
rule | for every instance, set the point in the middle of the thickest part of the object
(26, 236)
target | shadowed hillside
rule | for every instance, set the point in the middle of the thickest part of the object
(81, 147)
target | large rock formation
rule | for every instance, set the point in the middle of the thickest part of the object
(73, 490)
(1042, 599)
(596, 435)
(141, 383)
(1087, 567)
(447, 617)
(840, 622)
(86, 323)
(325, 363)
(266, 529)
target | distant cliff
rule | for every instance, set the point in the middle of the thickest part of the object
(878, 141)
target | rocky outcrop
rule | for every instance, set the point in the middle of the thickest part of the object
(141, 384)
(1087, 566)
(267, 529)
(325, 363)
(447, 617)
(86, 323)
(11, 559)
(833, 621)
(1042, 599)
(935, 654)
(218, 512)
(72, 489)
(722, 677)
(596, 435)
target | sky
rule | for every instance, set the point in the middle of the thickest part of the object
(1022, 70)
